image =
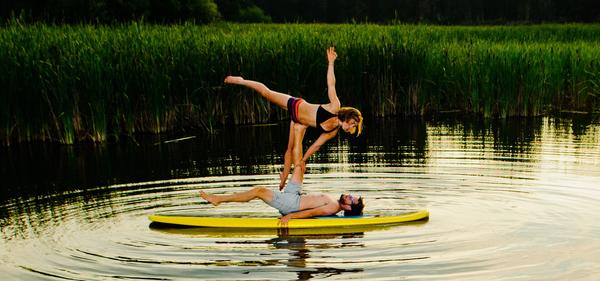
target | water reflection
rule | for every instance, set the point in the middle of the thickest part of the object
(300, 253)
(299, 243)
(37, 170)
(32, 217)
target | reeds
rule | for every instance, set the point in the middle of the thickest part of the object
(74, 83)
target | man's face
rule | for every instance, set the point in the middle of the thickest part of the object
(348, 199)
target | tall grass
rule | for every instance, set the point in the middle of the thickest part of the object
(74, 83)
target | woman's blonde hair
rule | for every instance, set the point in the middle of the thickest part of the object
(347, 113)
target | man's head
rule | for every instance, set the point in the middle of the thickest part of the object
(352, 205)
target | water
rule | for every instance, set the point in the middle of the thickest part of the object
(511, 200)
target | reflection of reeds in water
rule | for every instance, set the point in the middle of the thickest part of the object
(71, 83)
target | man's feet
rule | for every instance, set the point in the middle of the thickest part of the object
(210, 198)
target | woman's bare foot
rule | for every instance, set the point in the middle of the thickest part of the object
(233, 80)
(210, 198)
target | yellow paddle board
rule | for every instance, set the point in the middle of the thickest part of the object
(270, 223)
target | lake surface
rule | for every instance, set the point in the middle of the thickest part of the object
(517, 199)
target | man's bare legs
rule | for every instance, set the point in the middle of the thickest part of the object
(262, 193)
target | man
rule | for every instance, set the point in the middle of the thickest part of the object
(291, 203)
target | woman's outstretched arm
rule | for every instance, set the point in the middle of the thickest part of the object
(323, 138)
(333, 98)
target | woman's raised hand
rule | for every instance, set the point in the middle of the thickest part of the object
(233, 79)
(331, 54)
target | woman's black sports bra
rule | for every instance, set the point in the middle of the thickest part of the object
(322, 116)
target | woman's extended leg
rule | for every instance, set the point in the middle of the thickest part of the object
(299, 167)
(287, 158)
(262, 193)
(280, 99)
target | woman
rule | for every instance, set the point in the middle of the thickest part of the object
(326, 118)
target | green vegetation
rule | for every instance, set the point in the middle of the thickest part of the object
(73, 83)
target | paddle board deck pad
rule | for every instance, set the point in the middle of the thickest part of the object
(271, 223)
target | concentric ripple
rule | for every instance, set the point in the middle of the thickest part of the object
(521, 211)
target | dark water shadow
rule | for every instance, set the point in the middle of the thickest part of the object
(36, 169)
